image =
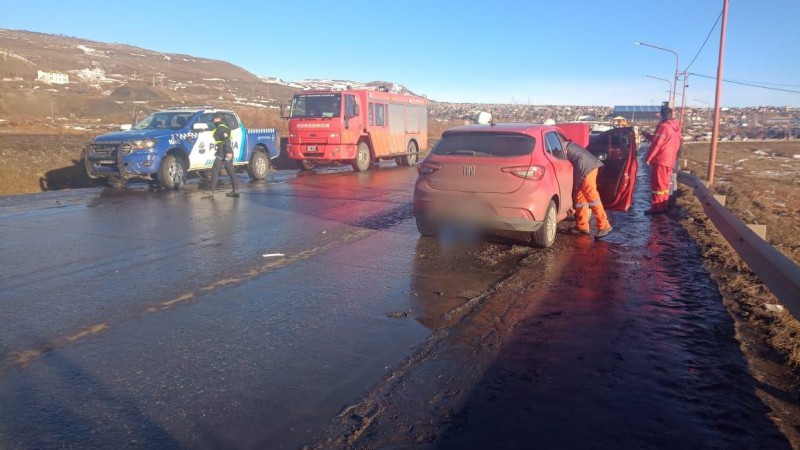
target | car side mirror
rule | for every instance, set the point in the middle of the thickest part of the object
(200, 126)
(125, 127)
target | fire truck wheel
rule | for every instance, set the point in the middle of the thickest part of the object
(306, 164)
(363, 159)
(411, 156)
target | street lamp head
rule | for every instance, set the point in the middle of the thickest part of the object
(637, 42)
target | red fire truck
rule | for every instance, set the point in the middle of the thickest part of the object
(357, 126)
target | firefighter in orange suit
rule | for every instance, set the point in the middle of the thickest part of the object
(584, 190)
(664, 146)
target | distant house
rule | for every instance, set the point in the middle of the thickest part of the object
(52, 77)
(638, 113)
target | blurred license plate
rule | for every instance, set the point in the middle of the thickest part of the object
(311, 148)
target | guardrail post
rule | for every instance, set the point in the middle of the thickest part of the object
(779, 273)
(760, 230)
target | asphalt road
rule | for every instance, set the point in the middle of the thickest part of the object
(152, 319)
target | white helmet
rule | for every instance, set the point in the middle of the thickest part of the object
(483, 118)
(549, 122)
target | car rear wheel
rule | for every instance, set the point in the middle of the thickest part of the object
(363, 158)
(545, 236)
(425, 228)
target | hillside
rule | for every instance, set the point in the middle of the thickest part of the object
(108, 82)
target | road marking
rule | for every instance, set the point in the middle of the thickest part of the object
(25, 357)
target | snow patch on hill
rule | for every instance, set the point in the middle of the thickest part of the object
(92, 52)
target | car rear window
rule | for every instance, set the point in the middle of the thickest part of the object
(484, 144)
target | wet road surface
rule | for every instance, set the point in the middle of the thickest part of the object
(151, 319)
(619, 343)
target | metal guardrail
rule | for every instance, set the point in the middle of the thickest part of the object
(779, 273)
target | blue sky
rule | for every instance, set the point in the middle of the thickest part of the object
(570, 52)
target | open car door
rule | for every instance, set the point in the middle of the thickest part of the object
(616, 179)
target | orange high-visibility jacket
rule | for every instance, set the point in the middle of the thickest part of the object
(665, 144)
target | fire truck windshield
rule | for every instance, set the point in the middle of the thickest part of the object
(316, 105)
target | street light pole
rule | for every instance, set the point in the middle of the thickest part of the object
(674, 81)
(684, 84)
(669, 83)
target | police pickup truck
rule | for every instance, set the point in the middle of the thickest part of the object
(166, 145)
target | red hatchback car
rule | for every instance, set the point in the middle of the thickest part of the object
(515, 178)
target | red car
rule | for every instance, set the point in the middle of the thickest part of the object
(515, 178)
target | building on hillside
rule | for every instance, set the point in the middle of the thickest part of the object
(638, 113)
(52, 77)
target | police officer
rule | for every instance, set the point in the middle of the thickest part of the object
(224, 156)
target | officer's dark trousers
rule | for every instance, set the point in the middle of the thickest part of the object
(218, 165)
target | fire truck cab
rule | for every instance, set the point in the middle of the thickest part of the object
(356, 126)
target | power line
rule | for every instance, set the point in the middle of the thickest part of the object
(704, 42)
(747, 84)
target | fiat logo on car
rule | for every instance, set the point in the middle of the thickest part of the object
(469, 171)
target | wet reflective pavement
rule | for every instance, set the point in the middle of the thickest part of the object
(617, 343)
(150, 319)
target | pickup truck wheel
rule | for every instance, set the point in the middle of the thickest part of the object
(363, 159)
(545, 236)
(89, 166)
(306, 164)
(411, 156)
(171, 174)
(116, 182)
(258, 166)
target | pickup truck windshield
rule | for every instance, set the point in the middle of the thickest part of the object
(164, 121)
(316, 105)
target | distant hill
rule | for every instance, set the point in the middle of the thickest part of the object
(110, 80)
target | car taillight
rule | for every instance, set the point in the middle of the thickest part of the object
(427, 168)
(527, 172)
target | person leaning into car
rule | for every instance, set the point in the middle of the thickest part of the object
(224, 155)
(584, 190)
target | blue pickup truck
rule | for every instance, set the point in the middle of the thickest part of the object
(168, 144)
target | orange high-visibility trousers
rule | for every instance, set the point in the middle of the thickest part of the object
(587, 198)
(660, 182)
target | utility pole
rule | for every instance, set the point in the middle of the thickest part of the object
(712, 157)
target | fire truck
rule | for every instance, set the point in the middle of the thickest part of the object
(356, 126)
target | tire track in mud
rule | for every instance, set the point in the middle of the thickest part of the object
(471, 329)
